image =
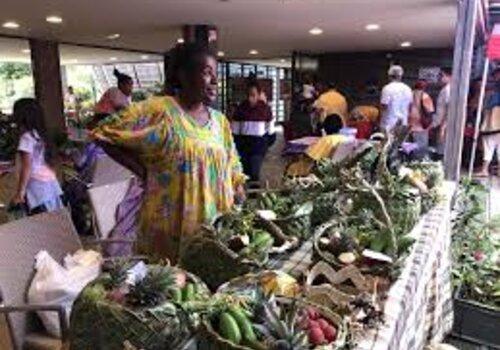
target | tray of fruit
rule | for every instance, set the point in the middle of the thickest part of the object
(150, 306)
(290, 212)
(235, 244)
(337, 246)
(273, 324)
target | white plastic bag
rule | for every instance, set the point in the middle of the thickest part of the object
(60, 285)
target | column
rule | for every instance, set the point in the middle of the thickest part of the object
(457, 107)
(202, 33)
(47, 78)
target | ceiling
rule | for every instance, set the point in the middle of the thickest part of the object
(273, 27)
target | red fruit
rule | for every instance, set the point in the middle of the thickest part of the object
(330, 333)
(323, 324)
(316, 336)
(478, 255)
(312, 324)
(312, 313)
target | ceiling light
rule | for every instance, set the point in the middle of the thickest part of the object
(25, 50)
(316, 31)
(406, 44)
(144, 57)
(372, 27)
(253, 52)
(113, 36)
(54, 19)
(112, 58)
(180, 41)
(10, 25)
(283, 60)
(220, 54)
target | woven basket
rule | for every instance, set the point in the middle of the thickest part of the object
(208, 257)
(211, 340)
(100, 323)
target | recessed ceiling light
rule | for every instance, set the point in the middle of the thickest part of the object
(112, 58)
(11, 25)
(372, 27)
(283, 60)
(220, 54)
(180, 41)
(253, 52)
(25, 51)
(316, 31)
(54, 19)
(113, 36)
(406, 44)
(144, 57)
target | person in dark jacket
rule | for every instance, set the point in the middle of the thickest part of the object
(250, 125)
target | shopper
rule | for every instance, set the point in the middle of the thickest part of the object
(38, 189)
(330, 102)
(490, 128)
(114, 99)
(421, 118)
(395, 101)
(250, 126)
(185, 151)
(441, 116)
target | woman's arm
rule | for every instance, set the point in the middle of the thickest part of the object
(24, 177)
(126, 158)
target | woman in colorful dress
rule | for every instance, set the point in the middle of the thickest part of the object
(183, 149)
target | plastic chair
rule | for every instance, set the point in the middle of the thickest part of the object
(20, 241)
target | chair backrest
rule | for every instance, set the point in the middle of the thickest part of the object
(104, 201)
(20, 241)
(106, 171)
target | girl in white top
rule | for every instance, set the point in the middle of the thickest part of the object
(38, 187)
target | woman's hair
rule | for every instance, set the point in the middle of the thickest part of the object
(446, 70)
(254, 84)
(122, 77)
(420, 84)
(332, 124)
(185, 58)
(29, 117)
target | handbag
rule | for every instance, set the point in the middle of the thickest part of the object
(425, 117)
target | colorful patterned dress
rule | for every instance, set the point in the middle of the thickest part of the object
(192, 170)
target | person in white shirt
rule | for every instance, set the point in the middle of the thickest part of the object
(442, 109)
(396, 100)
(38, 189)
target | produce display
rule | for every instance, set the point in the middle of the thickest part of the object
(260, 322)
(150, 307)
(475, 247)
(358, 214)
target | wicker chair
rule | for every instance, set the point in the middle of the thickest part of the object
(20, 241)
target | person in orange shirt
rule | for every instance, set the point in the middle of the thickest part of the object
(329, 103)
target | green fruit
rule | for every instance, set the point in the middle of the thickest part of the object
(176, 295)
(262, 240)
(228, 328)
(244, 323)
(188, 292)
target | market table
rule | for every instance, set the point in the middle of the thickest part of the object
(419, 308)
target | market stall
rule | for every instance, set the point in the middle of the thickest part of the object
(362, 242)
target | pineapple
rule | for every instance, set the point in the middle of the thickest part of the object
(152, 290)
(281, 328)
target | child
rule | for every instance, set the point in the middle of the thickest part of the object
(38, 187)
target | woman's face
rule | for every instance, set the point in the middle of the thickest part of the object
(202, 82)
(127, 87)
(253, 96)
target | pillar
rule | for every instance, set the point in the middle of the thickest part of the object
(202, 33)
(47, 78)
(457, 107)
